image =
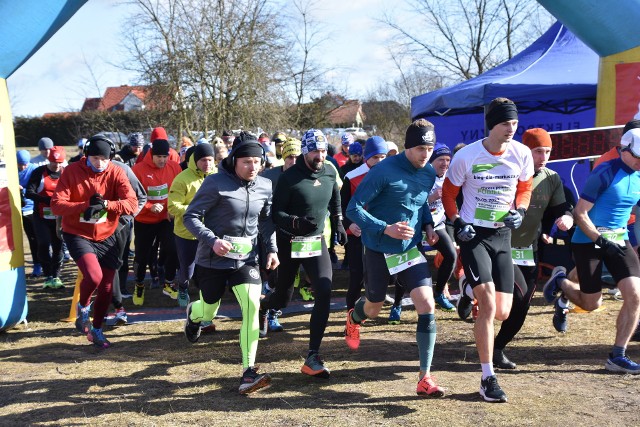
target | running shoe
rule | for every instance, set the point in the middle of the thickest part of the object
(443, 303)
(191, 329)
(394, 314)
(490, 390)
(465, 304)
(252, 381)
(352, 332)
(138, 294)
(170, 291)
(427, 387)
(120, 317)
(37, 270)
(314, 366)
(552, 286)
(56, 283)
(501, 361)
(96, 336)
(83, 320)
(207, 327)
(305, 293)
(622, 364)
(273, 323)
(560, 316)
(263, 323)
(183, 297)
(48, 283)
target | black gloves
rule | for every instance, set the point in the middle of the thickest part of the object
(609, 247)
(304, 226)
(96, 204)
(514, 219)
(464, 232)
(341, 233)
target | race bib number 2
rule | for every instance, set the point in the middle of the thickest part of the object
(306, 247)
(400, 262)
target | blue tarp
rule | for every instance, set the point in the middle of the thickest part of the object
(557, 73)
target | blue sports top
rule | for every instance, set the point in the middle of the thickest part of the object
(613, 188)
(393, 191)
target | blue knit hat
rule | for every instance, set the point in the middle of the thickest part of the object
(313, 140)
(374, 146)
(355, 148)
(23, 157)
(439, 150)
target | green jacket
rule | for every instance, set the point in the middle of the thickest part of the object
(182, 191)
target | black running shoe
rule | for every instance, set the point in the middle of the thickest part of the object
(465, 304)
(192, 329)
(253, 381)
(490, 390)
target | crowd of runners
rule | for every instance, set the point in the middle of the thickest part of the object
(258, 215)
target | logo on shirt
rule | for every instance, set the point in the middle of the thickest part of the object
(483, 167)
(317, 183)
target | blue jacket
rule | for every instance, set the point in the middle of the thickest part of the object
(393, 191)
(23, 178)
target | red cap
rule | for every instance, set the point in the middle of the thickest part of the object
(536, 137)
(159, 133)
(57, 154)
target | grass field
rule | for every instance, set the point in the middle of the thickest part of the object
(50, 375)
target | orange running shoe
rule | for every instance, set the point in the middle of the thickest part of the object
(352, 332)
(427, 387)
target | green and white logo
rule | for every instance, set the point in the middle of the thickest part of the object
(483, 167)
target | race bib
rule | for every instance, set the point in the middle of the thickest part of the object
(158, 192)
(523, 256)
(242, 246)
(490, 216)
(306, 247)
(616, 236)
(47, 214)
(97, 218)
(400, 262)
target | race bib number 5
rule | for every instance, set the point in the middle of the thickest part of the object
(490, 218)
(242, 246)
(306, 247)
(400, 262)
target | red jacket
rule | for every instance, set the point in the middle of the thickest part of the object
(76, 186)
(156, 183)
(341, 158)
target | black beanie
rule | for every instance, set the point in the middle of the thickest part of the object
(247, 149)
(418, 135)
(160, 147)
(202, 150)
(501, 113)
(189, 153)
(98, 147)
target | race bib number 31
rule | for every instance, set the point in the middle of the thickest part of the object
(306, 247)
(400, 262)
(523, 256)
(242, 246)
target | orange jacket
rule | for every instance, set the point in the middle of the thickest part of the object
(156, 183)
(75, 187)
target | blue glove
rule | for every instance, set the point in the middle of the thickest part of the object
(514, 219)
(464, 232)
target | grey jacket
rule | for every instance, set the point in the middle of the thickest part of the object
(227, 205)
(141, 194)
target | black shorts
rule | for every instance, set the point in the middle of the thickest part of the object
(487, 258)
(213, 282)
(108, 251)
(589, 260)
(376, 276)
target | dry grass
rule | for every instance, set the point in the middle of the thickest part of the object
(153, 376)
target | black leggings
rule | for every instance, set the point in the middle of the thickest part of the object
(47, 237)
(29, 230)
(449, 258)
(144, 237)
(320, 273)
(353, 251)
(524, 288)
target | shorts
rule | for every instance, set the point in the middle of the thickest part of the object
(589, 260)
(487, 258)
(376, 276)
(108, 251)
(212, 282)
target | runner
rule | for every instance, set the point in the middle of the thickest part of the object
(91, 195)
(395, 194)
(494, 173)
(300, 202)
(547, 196)
(225, 216)
(601, 238)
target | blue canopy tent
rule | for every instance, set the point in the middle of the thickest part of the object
(553, 82)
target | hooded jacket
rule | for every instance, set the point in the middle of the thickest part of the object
(156, 182)
(76, 186)
(181, 193)
(23, 178)
(227, 205)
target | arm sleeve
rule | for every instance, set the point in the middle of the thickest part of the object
(31, 192)
(368, 189)
(523, 193)
(206, 198)
(281, 197)
(127, 203)
(345, 197)
(266, 227)
(335, 208)
(598, 181)
(177, 201)
(60, 204)
(449, 194)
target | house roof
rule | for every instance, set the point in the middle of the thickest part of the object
(347, 112)
(114, 96)
(91, 104)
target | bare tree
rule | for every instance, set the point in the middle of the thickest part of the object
(460, 39)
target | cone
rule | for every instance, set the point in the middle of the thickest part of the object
(74, 300)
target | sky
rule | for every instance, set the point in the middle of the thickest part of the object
(59, 76)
